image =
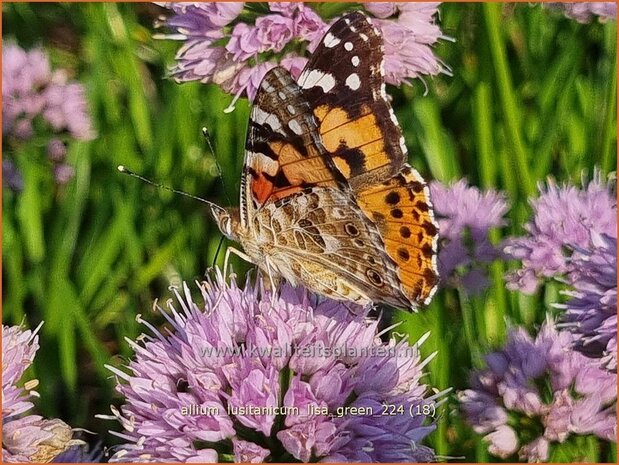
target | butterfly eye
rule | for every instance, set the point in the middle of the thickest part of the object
(224, 220)
(226, 225)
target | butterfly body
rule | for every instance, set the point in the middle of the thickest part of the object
(327, 200)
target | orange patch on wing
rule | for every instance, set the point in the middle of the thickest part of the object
(407, 228)
(299, 169)
(321, 111)
(363, 133)
(261, 187)
(338, 126)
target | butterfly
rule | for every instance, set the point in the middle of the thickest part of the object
(327, 199)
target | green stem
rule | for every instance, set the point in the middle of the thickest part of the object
(468, 323)
(507, 92)
(482, 116)
(609, 156)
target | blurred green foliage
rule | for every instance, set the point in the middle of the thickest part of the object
(532, 95)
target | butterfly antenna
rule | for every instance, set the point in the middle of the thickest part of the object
(207, 138)
(124, 170)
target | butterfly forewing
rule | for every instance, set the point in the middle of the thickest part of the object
(283, 150)
(344, 83)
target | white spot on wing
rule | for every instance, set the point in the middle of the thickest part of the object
(416, 176)
(281, 95)
(267, 86)
(353, 81)
(392, 116)
(316, 78)
(403, 145)
(291, 110)
(295, 127)
(355, 60)
(262, 117)
(363, 37)
(348, 46)
(330, 40)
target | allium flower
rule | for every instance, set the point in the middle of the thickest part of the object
(408, 39)
(28, 438)
(231, 57)
(249, 378)
(584, 12)
(563, 220)
(18, 349)
(382, 10)
(540, 385)
(31, 89)
(465, 216)
(591, 312)
(215, 51)
(11, 176)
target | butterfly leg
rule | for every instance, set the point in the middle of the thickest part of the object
(269, 269)
(273, 281)
(238, 253)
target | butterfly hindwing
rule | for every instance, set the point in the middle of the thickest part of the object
(321, 236)
(401, 210)
(360, 131)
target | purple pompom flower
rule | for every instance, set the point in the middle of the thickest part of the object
(18, 350)
(465, 216)
(28, 438)
(244, 377)
(564, 219)
(30, 89)
(408, 39)
(591, 312)
(11, 177)
(540, 385)
(237, 56)
(232, 56)
(584, 12)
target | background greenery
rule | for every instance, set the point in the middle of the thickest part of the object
(532, 94)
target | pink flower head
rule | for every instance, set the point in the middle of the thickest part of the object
(274, 32)
(564, 218)
(260, 41)
(200, 19)
(465, 217)
(244, 42)
(243, 355)
(408, 40)
(381, 10)
(30, 89)
(539, 379)
(28, 438)
(585, 12)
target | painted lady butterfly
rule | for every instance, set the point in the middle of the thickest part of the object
(327, 200)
